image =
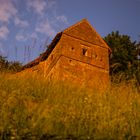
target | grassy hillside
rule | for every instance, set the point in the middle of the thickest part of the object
(32, 109)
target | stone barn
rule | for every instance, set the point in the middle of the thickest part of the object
(78, 55)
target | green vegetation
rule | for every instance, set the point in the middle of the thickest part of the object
(32, 109)
(124, 63)
(6, 66)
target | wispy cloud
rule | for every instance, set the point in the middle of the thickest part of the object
(37, 5)
(46, 28)
(51, 25)
(7, 10)
(20, 37)
(47, 24)
(40, 6)
(51, 3)
(25, 36)
(4, 31)
(21, 23)
(62, 18)
(34, 35)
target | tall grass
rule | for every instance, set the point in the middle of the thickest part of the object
(31, 108)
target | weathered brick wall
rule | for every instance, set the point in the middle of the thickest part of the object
(95, 55)
(74, 67)
(82, 74)
(80, 57)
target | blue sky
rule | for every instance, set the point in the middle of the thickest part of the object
(25, 25)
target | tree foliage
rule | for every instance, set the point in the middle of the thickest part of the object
(5, 65)
(123, 60)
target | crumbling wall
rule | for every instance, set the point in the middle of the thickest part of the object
(80, 57)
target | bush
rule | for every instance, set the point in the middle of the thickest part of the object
(6, 66)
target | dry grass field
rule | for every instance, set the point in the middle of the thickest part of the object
(32, 109)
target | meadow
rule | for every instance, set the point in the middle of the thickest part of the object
(31, 109)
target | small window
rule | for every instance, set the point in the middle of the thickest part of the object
(84, 52)
(72, 48)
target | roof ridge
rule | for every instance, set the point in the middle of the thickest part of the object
(76, 24)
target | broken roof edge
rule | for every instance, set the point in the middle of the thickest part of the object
(43, 56)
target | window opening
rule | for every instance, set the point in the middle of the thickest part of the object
(72, 48)
(84, 52)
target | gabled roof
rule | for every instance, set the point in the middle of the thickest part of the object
(81, 30)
